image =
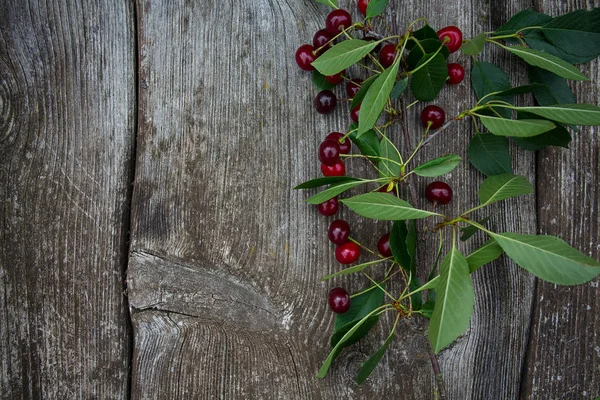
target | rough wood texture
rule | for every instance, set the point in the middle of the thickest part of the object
(67, 109)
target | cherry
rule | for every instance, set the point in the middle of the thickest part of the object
(337, 169)
(305, 56)
(387, 55)
(329, 207)
(362, 6)
(394, 191)
(438, 192)
(345, 146)
(321, 38)
(354, 113)
(434, 115)
(456, 73)
(352, 87)
(339, 230)
(325, 101)
(383, 245)
(453, 35)
(335, 79)
(337, 20)
(347, 253)
(329, 152)
(339, 300)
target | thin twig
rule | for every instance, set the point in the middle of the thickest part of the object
(442, 128)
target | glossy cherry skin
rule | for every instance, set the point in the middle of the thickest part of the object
(433, 114)
(329, 207)
(352, 87)
(454, 35)
(320, 39)
(329, 152)
(339, 231)
(362, 6)
(383, 245)
(337, 20)
(456, 73)
(339, 300)
(337, 78)
(438, 192)
(325, 101)
(305, 57)
(387, 55)
(345, 146)
(347, 253)
(337, 169)
(354, 114)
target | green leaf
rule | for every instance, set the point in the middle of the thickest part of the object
(364, 88)
(376, 7)
(474, 46)
(411, 244)
(438, 166)
(320, 82)
(333, 191)
(426, 32)
(384, 207)
(471, 230)
(518, 90)
(487, 78)
(330, 3)
(399, 245)
(520, 20)
(454, 301)
(326, 180)
(490, 154)
(352, 269)
(513, 127)
(399, 88)
(548, 62)
(389, 163)
(555, 89)
(376, 98)
(487, 253)
(548, 257)
(576, 114)
(360, 306)
(504, 186)
(427, 308)
(430, 46)
(343, 55)
(536, 40)
(558, 136)
(427, 82)
(367, 143)
(373, 361)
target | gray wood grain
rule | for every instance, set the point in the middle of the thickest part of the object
(67, 107)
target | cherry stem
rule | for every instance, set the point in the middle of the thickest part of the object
(411, 180)
(378, 285)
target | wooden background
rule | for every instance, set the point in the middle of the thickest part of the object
(152, 247)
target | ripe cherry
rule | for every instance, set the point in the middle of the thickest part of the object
(329, 152)
(345, 146)
(339, 230)
(320, 39)
(337, 78)
(456, 73)
(453, 35)
(354, 113)
(329, 207)
(387, 55)
(325, 101)
(438, 192)
(339, 300)
(383, 245)
(337, 169)
(337, 20)
(347, 253)
(362, 6)
(305, 56)
(433, 114)
(352, 87)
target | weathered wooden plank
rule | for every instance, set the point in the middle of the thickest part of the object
(564, 349)
(67, 106)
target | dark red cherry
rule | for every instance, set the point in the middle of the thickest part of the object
(352, 87)
(329, 207)
(387, 55)
(320, 39)
(354, 113)
(456, 73)
(438, 192)
(337, 20)
(337, 169)
(433, 114)
(329, 152)
(383, 245)
(339, 230)
(337, 78)
(362, 6)
(325, 101)
(345, 146)
(453, 35)
(339, 300)
(305, 57)
(347, 253)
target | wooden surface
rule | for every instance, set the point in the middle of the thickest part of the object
(225, 260)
